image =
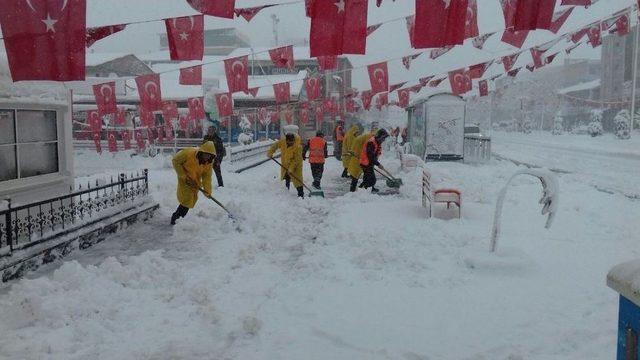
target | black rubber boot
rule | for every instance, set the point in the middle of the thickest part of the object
(345, 174)
(354, 184)
(300, 191)
(374, 190)
(174, 217)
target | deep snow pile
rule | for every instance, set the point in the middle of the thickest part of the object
(353, 277)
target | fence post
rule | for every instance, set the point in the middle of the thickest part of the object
(8, 226)
(146, 180)
(121, 179)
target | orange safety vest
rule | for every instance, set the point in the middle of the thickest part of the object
(316, 150)
(339, 133)
(364, 159)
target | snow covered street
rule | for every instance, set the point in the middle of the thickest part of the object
(357, 276)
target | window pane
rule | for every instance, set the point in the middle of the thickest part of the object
(8, 162)
(7, 127)
(37, 125)
(38, 159)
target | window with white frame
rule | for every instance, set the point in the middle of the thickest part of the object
(28, 143)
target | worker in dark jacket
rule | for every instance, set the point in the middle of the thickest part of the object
(317, 147)
(369, 155)
(212, 135)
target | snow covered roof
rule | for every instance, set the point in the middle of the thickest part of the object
(589, 85)
(625, 279)
(265, 83)
(95, 59)
(43, 92)
(262, 53)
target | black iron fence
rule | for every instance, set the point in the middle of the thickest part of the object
(30, 224)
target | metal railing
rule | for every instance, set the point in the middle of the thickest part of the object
(241, 153)
(31, 224)
(477, 149)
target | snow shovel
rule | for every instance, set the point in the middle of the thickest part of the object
(219, 204)
(311, 192)
(391, 181)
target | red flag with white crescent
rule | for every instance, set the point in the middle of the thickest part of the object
(94, 120)
(304, 115)
(313, 88)
(536, 55)
(372, 28)
(219, 8)
(288, 116)
(471, 20)
(186, 37)
(436, 53)
(338, 27)
(559, 18)
(98, 33)
(121, 117)
(436, 82)
(403, 97)
(397, 86)
(425, 80)
(150, 91)
(406, 60)
(350, 105)
(282, 57)
(382, 100)
(126, 139)
(509, 60)
(237, 72)
(478, 41)
(514, 72)
(483, 87)
(514, 38)
(594, 35)
(147, 118)
(224, 102)
(196, 108)
(253, 92)
(319, 112)
(191, 75)
(549, 59)
(282, 92)
(460, 81)
(440, 23)
(533, 14)
(327, 62)
(622, 25)
(366, 97)
(112, 142)
(168, 130)
(169, 111)
(417, 88)
(274, 117)
(45, 40)
(263, 115)
(477, 71)
(96, 136)
(379, 77)
(139, 139)
(249, 13)
(105, 95)
(183, 122)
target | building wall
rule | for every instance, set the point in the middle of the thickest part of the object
(128, 65)
(617, 58)
(217, 42)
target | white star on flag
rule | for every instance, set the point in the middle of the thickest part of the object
(49, 22)
(340, 5)
(184, 36)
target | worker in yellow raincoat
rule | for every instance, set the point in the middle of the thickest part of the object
(351, 134)
(354, 168)
(291, 159)
(193, 167)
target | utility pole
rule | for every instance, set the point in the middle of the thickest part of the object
(635, 76)
(275, 22)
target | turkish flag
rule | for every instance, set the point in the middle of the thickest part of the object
(460, 81)
(319, 111)
(196, 108)
(304, 115)
(224, 102)
(366, 97)
(350, 105)
(112, 142)
(97, 142)
(578, 35)
(338, 27)
(313, 88)
(622, 25)
(514, 72)
(44, 39)
(403, 97)
(282, 57)
(126, 139)
(594, 35)
(150, 91)
(95, 121)
(98, 33)
(477, 71)
(536, 55)
(282, 92)
(105, 95)
(237, 71)
(471, 20)
(440, 23)
(151, 136)
(168, 130)
(183, 122)
(483, 87)
(515, 38)
(478, 41)
(327, 105)
(191, 75)
(436, 53)
(249, 13)
(379, 77)
(288, 116)
(262, 115)
(559, 18)
(425, 80)
(186, 37)
(253, 92)
(147, 118)
(509, 60)
(169, 111)
(327, 62)
(219, 8)
(397, 86)
(533, 14)
(382, 100)
(406, 60)
(549, 59)
(121, 116)
(417, 88)
(274, 117)
(139, 139)
(160, 131)
(436, 82)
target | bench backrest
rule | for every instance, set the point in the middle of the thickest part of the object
(426, 191)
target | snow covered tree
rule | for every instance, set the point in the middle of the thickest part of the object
(246, 137)
(558, 128)
(526, 125)
(595, 126)
(622, 122)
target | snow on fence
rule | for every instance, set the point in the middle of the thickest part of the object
(26, 225)
(477, 149)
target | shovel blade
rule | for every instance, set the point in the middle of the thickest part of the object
(316, 193)
(394, 183)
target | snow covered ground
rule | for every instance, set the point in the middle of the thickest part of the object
(357, 276)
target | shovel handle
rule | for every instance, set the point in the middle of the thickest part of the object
(290, 174)
(389, 174)
(383, 174)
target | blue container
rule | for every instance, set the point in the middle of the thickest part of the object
(621, 279)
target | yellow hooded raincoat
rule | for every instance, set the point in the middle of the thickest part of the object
(186, 165)
(291, 158)
(354, 168)
(346, 144)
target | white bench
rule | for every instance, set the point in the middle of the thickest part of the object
(430, 196)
